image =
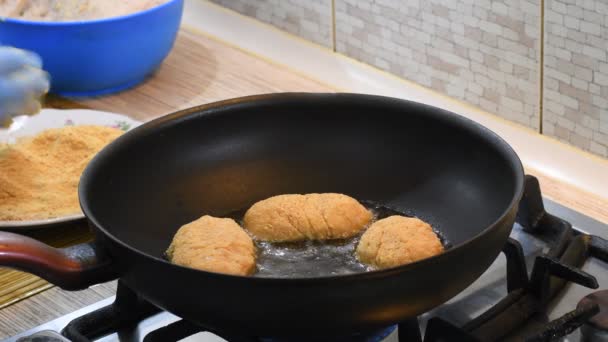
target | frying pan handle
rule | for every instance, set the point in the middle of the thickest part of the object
(72, 268)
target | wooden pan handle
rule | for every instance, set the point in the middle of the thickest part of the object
(72, 268)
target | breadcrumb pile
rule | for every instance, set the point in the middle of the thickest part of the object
(72, 10)
(39, 175)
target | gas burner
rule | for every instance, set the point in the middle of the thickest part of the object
(182, 329)
(545, 244)
(44, 336)
(129, 309)
(596, 327)
(520, 315)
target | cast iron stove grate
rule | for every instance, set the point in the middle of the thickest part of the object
(519, 316)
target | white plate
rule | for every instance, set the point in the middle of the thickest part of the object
(53, 118)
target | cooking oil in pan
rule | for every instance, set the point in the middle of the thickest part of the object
(315, 258)
(308, 258)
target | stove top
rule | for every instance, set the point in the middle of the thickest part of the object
(532, 292)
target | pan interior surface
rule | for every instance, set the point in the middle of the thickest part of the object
(420, 160)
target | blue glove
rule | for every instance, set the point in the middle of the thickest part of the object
(22, 83)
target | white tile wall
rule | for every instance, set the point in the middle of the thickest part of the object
(576, 73)
(310, 19)
(484, 52)
(480, 51)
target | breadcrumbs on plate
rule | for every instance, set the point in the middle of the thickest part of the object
(39, 175)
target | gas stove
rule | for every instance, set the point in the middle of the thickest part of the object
(546, 286)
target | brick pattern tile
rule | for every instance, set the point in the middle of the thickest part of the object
(308, 19)
(576, 73)
(485, 52)
(480, 51)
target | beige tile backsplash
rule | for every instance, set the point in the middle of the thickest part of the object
(576, 73)
(484, 52)
(480, 51)
(309, 19)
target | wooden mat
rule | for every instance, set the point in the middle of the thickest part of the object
(15, 285)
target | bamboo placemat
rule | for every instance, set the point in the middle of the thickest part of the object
(16, 285)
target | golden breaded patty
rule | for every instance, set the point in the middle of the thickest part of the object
(213, 244)
(398, 240)
(306, 217)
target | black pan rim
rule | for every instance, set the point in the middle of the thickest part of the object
(213, 108)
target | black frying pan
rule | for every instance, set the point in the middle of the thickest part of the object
(225, 156)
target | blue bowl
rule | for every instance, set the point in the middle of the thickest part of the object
(96, 57)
